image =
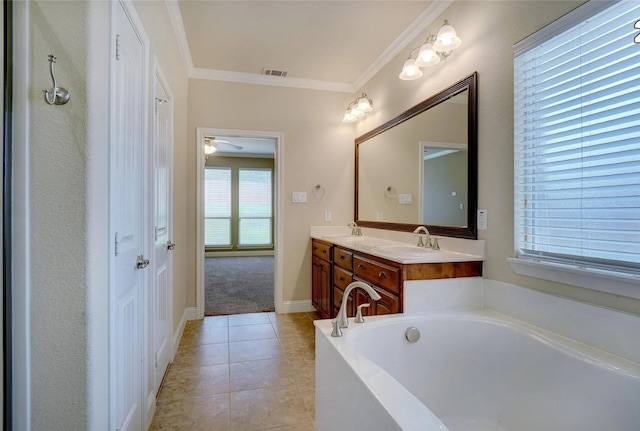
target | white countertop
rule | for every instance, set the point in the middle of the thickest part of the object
(374, 242)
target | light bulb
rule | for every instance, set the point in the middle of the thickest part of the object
(447, 39)
(364, 105)
(410, 71)
(349, 117)
(427, 57)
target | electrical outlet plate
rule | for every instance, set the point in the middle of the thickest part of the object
(482, 219)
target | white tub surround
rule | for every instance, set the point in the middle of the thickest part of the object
(491, 356)
(451, 249)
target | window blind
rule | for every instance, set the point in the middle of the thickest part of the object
(577, 144)
(255, 206)
(217, 206)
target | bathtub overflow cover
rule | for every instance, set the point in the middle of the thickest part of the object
(412, 334)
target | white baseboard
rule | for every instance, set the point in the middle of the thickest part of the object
(296, 306)
(189, 314)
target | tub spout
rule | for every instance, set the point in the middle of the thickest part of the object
(341, 318)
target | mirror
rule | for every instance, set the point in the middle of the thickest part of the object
(420, 168)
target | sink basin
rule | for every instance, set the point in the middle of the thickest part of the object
(404, 250)
(342, 237)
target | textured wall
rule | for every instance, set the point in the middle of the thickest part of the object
(58, 219)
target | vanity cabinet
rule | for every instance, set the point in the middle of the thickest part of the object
(321, 263)
(334, 267)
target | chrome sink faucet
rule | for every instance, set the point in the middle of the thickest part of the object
(341, 320)
(421, 243)
(355, 230)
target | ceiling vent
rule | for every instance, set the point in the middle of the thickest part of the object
(273, 72)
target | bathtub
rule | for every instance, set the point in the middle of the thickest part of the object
(471, 370)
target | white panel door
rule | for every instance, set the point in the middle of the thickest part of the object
(129, 98)
(162, 289)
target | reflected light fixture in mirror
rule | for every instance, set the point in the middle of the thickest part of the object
(431, 52)
(357, 109)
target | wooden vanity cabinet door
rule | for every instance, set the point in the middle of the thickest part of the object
(321, 286)
(387, 304)
(321, 278)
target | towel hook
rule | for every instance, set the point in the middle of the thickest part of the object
(57, 95)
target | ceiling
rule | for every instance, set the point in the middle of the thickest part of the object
(329, 45)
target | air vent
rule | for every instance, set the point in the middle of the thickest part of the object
(273, 72)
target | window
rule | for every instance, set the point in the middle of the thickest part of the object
(238, 209)
(217, 207)
(255, 209)
(577, 141)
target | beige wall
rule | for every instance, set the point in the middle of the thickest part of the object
(318, 149)
(488, 30)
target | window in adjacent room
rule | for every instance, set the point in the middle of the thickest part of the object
(577, 141)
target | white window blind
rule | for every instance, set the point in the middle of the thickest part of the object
(255, 207)
(217, 206)
(577, 143)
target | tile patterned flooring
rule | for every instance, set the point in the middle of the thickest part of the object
(243, 372)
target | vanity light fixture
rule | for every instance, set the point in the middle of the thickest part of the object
(357, 109)
(435, 49)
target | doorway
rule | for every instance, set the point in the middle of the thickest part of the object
(239, 223)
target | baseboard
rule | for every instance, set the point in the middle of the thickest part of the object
(189, 314)
(296, 306)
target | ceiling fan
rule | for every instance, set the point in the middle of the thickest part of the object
(211, 144)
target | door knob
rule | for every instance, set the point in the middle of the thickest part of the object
(141, 262)
(171, 245)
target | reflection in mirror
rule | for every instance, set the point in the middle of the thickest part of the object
(420, 168)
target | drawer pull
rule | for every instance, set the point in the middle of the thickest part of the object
(341, 278)
(361, 266)
(315, 248)
(342, 257)
(382, 274)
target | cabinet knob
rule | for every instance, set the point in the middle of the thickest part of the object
(361, 266)
(341, 278)
(382, 274)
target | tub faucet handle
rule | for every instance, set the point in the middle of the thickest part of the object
(359, 318)
(337, 332)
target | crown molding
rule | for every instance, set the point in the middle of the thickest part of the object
(181, 35)
(433, 11)
(415, 28)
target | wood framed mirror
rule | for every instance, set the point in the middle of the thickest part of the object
(421, 168)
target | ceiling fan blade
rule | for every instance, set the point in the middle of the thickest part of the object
(215, 142)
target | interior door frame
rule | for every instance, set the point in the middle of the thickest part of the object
(278, 225)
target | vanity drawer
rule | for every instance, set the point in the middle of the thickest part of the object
(343, 258)
(385, 276)
(321, 249)
(341, 278)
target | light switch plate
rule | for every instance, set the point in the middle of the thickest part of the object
(299, 197)
(404, 199)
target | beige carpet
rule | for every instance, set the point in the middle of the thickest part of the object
(235, 285)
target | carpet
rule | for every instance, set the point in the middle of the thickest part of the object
(235, 285)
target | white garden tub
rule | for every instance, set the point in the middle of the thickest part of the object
(469, 371)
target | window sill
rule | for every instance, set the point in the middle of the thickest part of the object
(603, 281)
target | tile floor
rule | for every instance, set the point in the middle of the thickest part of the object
(241, 372)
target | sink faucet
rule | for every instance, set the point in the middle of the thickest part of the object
(355, 230)
(341, 319)
(418, 231)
